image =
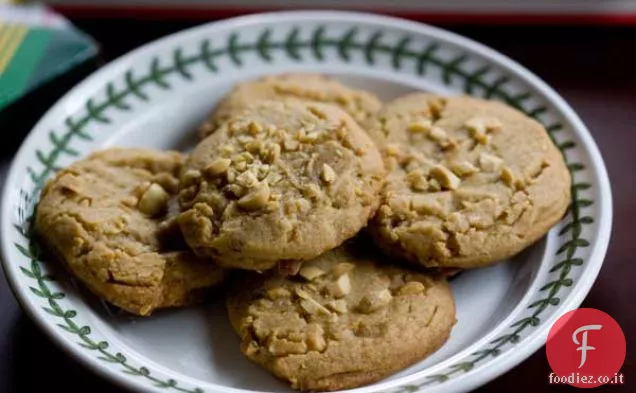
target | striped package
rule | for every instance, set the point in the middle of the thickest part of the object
(35, 46)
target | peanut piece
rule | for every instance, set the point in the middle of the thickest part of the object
(311, 272)
(227, 149)
(479, 127)
(420, 126)
(241, 166)
(236, 190)
(218, 166)
(420, 184)
(254, 147)
(327, 175)
(262, 171)
(483, 124)
(342, 286)
(342, 268)
(191, 176)
(399, 204)
(457, 222)
(302, 206)
(438, 134)
(434, 185)
(254, 127)
(375, 301)
(490, 163)
(429, 229)
(311, 137)
(411, 288)
(154, 200)
(130, 201)
(282, 347)
(339, 306)
(301, 293)
(270, 129)
(481, 138)
(445, 177)
(312, 307)
(464, 168)
(247, 179)
(392, 150)
(244, 139)
(244, 157)
(417, 180)
(264, 303)
(255, 199)
(507, 176)
(290, 145)
(272, 152)
(311, 191)
(278, 293)
(427, 204)
(316, 338)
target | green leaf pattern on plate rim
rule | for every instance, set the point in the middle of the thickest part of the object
(296, 49)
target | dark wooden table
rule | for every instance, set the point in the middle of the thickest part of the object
(593, 68)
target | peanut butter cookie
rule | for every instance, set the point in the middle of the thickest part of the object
(470, 181)
(347, 320)
(102, 216)
(279, 181)
(361, 105)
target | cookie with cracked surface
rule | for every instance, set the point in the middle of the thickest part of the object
(280, 181)
(470, 181)
(348, 319)
(361, 105)
(104, 217)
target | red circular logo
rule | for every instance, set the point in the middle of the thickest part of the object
(585, 348)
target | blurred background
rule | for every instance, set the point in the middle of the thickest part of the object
(584, 49)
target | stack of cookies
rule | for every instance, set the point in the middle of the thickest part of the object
(297, 178)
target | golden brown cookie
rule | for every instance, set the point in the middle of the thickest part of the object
(102, 216)
(361, 105)
(470, 181)
(347, 320)
(279, 181)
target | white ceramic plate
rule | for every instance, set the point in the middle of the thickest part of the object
(158, 94)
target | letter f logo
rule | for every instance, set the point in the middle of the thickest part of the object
(584, 347)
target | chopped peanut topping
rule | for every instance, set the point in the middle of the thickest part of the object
(255, 199)
(342, 268)
(420, 126)
(341, 287)
(445, 177)
(278, 293)
(247, 179)
(508, 177)
(464, 168)
(411, 288)
(327, 175)
(438, 134)
(154, 200)
(311, 272)
(218, 166)
(375, 301)
(339, 306)
(490, 163)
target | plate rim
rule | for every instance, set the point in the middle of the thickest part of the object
(466, 381)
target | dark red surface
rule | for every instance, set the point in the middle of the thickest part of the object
(486, 18)
(593, 68)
